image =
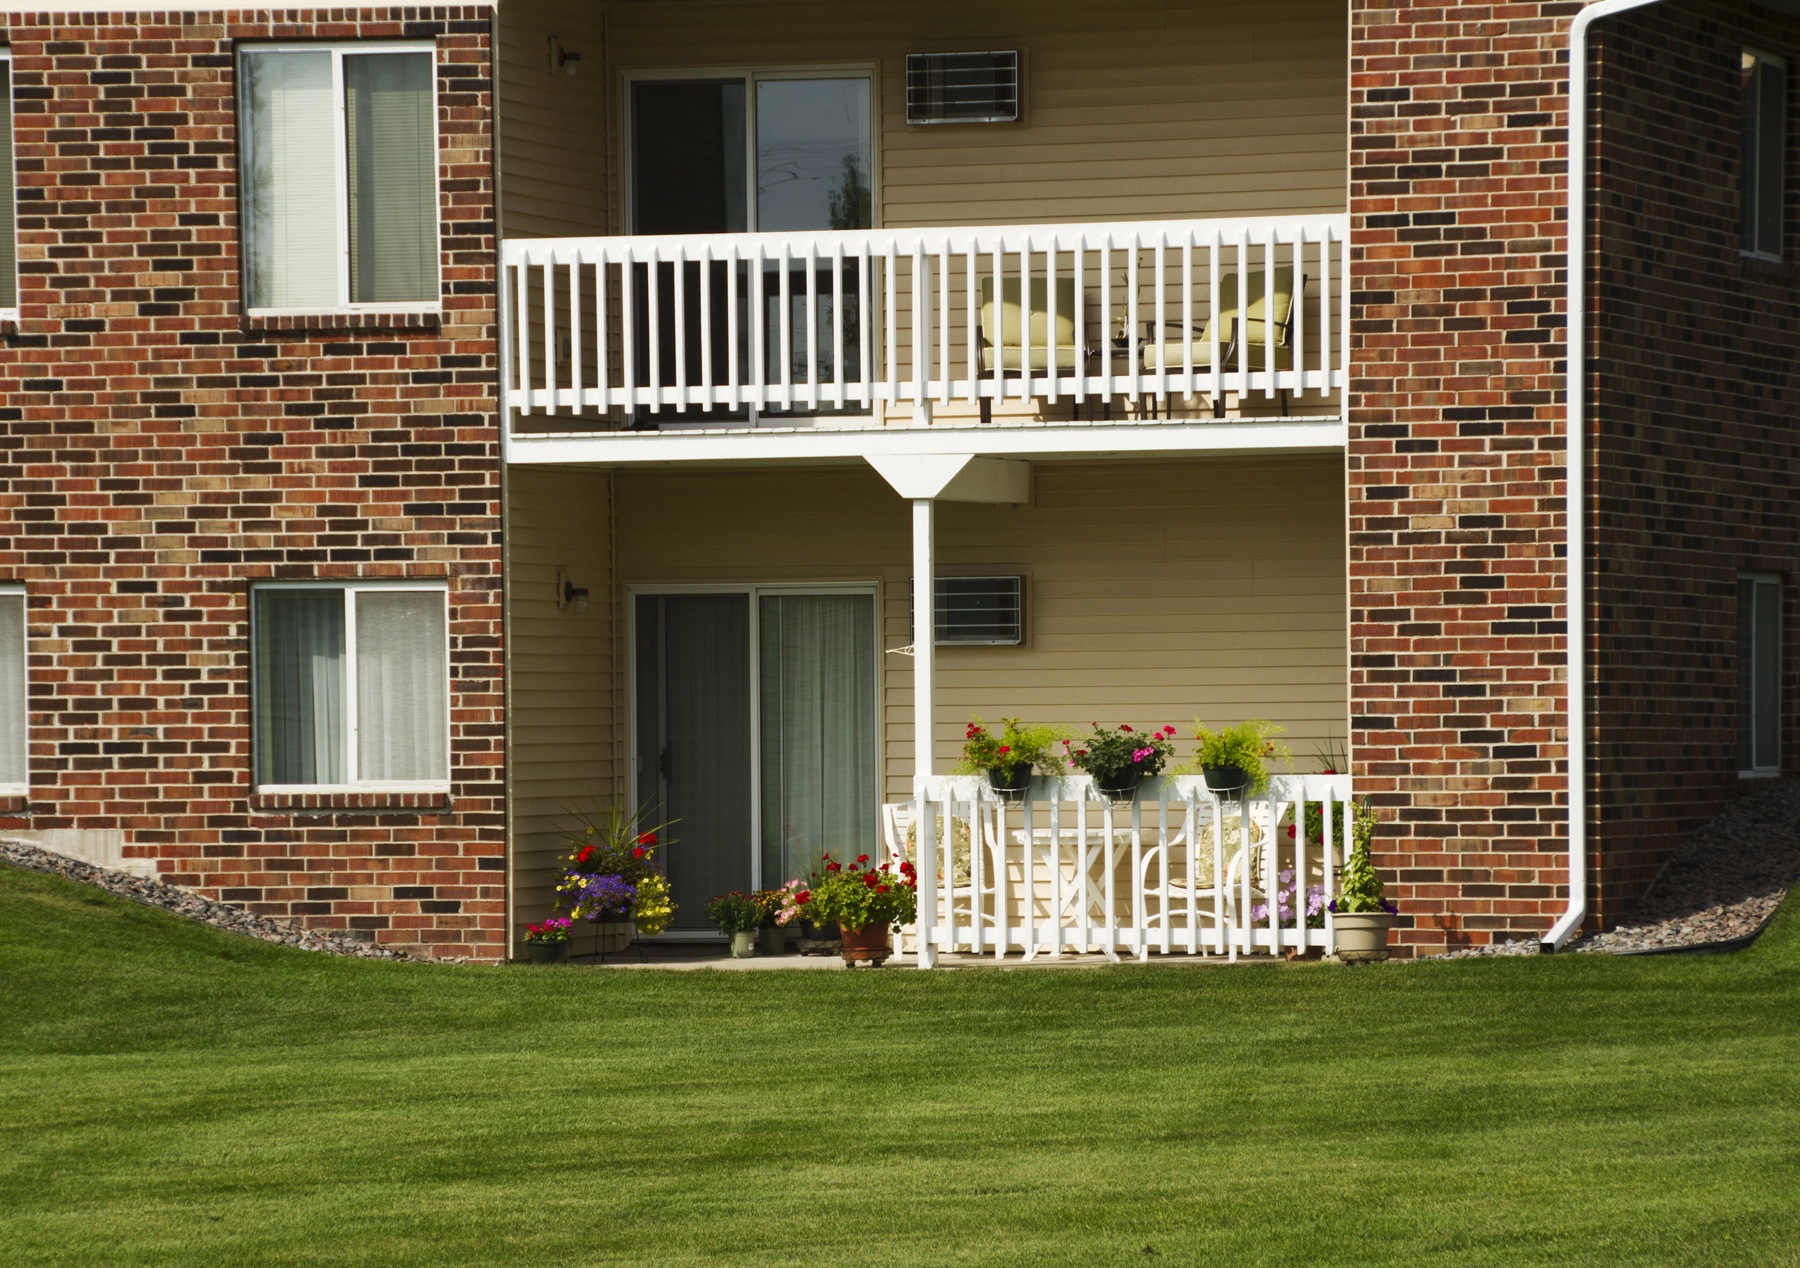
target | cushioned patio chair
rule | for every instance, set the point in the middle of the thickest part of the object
(1244, 331)
(1008, 356)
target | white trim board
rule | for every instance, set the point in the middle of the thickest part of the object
(1036, 443)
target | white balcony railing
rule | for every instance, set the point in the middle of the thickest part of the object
(673, 329)
(1177, 871)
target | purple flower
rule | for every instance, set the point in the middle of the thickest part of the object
(605, 895)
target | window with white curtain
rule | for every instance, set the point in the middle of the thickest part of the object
(339, 177)
(13, 769)
(351, 685)
(9, 255)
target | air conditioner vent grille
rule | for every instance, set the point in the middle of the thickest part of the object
(962, 87)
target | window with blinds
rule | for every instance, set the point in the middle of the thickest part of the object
(339, 177)
(1764, 152)
(13, 710)
(9, 257)
(350, 684)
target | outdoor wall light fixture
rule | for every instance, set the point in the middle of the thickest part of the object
(562, 61)
(568, 594)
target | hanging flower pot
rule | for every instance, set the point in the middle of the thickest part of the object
(1120, 785)
(1010, 782)
(1225, 780)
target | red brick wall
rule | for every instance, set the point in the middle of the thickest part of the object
(158, 454)
(1455, 461)
(1697, 425)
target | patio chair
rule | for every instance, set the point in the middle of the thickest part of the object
(1009, 357)
(1244, 332)
(971, 897)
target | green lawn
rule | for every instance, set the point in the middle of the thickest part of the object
(172, 1093)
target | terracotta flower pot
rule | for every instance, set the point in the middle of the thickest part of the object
(867, 943)
(1361, 937)
(547, 952)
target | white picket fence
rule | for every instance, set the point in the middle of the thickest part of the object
(844, 320)
(1178, 870)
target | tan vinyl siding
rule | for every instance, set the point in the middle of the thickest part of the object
(1157, 592)
(1136, 110)
(563, 713)
(552, 126)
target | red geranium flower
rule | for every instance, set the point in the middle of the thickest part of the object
(834, 867)
(881, 889)
(648, 838)
(638, 851)
(1123, 727)
(862, 858)
(586, 855)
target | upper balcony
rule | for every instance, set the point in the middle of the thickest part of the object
(738, 231)
(847, 329)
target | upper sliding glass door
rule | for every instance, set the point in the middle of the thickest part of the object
(751, 151)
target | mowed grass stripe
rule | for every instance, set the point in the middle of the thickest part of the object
(172, 1093)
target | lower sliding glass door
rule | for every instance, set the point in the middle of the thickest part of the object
(756, 727)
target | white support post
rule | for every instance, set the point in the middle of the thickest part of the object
(924, 610)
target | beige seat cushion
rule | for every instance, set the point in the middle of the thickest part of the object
(1009, 357)
(1255, 324)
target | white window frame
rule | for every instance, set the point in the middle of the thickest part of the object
(1760, 251)
(338, 51)
(1749, 701)
(352, 754)
(12, 176)
(10, 588)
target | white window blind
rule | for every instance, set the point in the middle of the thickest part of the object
(13, 709)
(9, 259)
(290, 161)
(339, 180)
(392, 172)
(350, 679)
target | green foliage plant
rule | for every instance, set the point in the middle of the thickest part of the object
(1108, 754)
(1250, 746)
(1036, 745)
(1361, 891)
(854, 895)
(736, 912)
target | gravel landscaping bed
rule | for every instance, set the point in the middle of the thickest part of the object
(1723, 883)
(194, 907)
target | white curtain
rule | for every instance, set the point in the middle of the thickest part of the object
(392, 168)
(299, 684)
(402, 715)
(819, 743)
(9, 263)
(290, 194)
(12, 689)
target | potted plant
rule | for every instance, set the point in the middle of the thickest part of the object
(1009, 758)
(1361, 915)
(1235, 759)
(772, 936)
(1119, 759)
(548, 943)
(610, 877)
(738, 916)
(864, 901)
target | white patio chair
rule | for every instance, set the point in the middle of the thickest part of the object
(971, 896)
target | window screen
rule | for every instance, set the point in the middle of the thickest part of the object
(1759, 673)
(962, 87)
(1764, 153)
(339, 177)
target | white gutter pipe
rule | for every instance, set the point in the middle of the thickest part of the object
(1575, 467)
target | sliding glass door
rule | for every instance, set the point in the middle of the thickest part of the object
(755, 726)
(750, 151)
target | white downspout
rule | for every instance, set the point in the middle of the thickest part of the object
(924, 635)
(1574, 480)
